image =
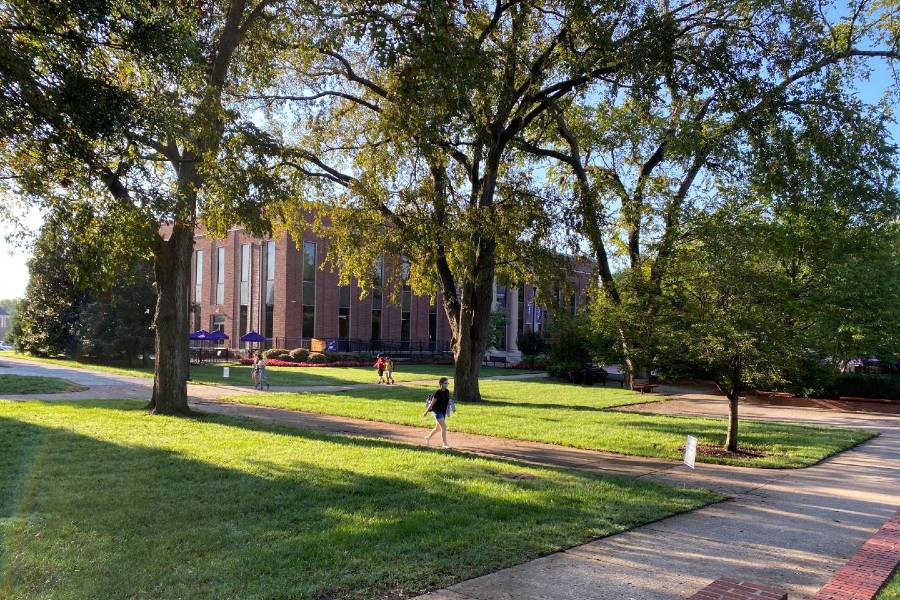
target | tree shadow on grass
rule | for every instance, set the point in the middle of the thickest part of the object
(289, 514)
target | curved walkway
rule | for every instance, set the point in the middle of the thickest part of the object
(789, 528)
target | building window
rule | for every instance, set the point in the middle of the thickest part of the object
(218, 324)
(244, 311)
(245, 276)
(309, 289)
(405, 305)
(198, 279)
(220, 275)
(377, 300)
(520, 325)
(432, 325)
(344, 312)
(270, 287)
(537, 313)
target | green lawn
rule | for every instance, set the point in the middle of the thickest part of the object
(99, 500)
(28, 384)
(557, 413)
(891, 589)
(281, 376)
(306, 376)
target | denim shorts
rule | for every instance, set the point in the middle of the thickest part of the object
(439, 416)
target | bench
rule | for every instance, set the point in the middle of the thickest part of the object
(494, 360)
(643, 387)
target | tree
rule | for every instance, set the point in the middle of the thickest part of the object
(531, 344)
(638, 158)
(780, 271)
(130, 106)
(119, 323)
(408, 138)
(46, 321)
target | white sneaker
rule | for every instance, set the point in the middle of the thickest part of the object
(447, 447)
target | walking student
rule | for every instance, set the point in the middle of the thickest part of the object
(389, 370)
(261, 372)
(379, 366)
(439, 405)
(254, 370)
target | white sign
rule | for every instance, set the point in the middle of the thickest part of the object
(690, 451)
(225, 372)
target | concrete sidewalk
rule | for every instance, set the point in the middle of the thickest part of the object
(793, 531)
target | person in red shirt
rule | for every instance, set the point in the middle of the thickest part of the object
(379, 366)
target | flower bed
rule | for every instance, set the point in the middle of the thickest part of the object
(277, 362)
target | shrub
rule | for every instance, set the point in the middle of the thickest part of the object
(274, 353)
(867, 385)
(299, 354)
(316, 358)
(333, 356)
(531, 344)
(569, 347)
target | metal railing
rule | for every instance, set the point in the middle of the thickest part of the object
(371, 346)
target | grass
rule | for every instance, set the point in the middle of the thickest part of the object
(891, 589)
(570, 415)
(28, 384)
(97, 499)
(279, 376)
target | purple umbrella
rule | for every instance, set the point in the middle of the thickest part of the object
(201, 334)
(217, 335)
(252, 336)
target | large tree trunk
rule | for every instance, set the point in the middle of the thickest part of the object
(731, 439)
(469, 345)
(172, 262)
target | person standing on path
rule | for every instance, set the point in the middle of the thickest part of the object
(379, 366)
(439, 405)
(389, 370)
(261, 373)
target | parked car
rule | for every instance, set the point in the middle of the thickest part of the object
(5, 346)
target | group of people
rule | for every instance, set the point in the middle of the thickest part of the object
(385, 367)
(439, 403)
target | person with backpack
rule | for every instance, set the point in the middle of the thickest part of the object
(440, 404)
(379, 366)
(261, 373)
(389, 370)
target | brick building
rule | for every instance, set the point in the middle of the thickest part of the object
(278, 289)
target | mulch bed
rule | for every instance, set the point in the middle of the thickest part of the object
(709, 450)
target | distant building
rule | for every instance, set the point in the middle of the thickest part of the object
(277, 288)
(5, 324)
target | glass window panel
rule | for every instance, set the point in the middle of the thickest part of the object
(198, 282)
(376, 324)
(270, 261)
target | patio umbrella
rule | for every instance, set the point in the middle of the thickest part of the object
(252, 336)
(217, 335)
(200, 334)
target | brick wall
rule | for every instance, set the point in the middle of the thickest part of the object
(869, 569)
(288, 309)
(726, 588)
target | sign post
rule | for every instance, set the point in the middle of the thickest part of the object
(225, 372)
(690, 451)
